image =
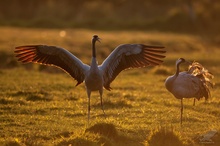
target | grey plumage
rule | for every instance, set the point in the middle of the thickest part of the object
(194, 83)
(95, 76)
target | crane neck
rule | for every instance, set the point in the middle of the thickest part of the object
(177, 69)
(93, 49)
(94, 62)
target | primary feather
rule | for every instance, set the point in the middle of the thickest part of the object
(130, 56)
(196, 69)
(55, 56)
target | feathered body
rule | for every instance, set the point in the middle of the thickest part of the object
(186, 86)
(194, 83)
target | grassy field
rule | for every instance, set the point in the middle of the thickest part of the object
(41, 105)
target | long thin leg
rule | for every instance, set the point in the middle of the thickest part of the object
(101, 92)
(194, 102)
(181, 112)
(88, 93)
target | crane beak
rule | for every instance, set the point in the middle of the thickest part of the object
(189, 62)
(99, 39)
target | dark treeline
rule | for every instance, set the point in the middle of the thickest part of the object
(27, 9)
(112, 14)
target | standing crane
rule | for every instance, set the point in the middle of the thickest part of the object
(194, 83)
(96, 76)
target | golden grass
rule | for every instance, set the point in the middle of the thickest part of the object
(45, 108)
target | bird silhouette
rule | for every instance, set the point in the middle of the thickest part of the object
(96, 76)
(194, 83)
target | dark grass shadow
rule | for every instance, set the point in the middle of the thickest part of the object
(65, 134)
(5, 101)
(164, 136)
(77, 142)
(104, 129)
(109, 135)
(114, 105)
(34, 96)
(38, 98)
(12, 143)
(99, 134)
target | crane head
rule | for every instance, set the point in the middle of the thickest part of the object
(180, 60)
(96, 38)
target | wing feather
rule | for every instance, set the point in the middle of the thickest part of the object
(197, 70)
(55, 56)
(130, 56)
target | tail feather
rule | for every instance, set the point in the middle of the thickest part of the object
(204, 75)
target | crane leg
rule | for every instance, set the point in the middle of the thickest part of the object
(101, 92)
(194, 102)
(181, 112)
(89, 94)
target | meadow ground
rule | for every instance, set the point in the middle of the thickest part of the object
(41, 105)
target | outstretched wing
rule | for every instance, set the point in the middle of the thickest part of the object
(130, 56)
(52, 55)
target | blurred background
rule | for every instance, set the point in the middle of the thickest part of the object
(188, 16)
(182, 26)
(40, 109)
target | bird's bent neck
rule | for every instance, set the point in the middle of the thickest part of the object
(177, 69)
